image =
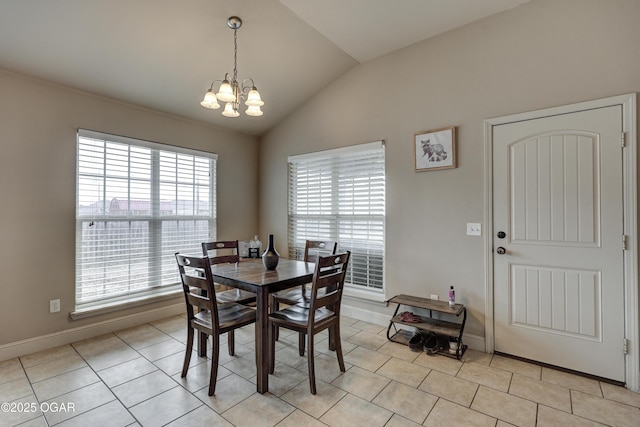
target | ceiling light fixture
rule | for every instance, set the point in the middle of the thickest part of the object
(230, 91)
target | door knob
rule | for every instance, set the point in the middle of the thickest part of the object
(501, 250)
(501, 234)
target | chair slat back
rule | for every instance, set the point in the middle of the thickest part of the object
(329, 275)
(224, 251)
(192, 269)
(315, 248)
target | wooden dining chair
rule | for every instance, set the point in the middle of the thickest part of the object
(221, 252)
(227, 252)
(322, 313)
(205, 314)
(300, 295)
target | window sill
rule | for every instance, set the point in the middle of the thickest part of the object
(111, 307)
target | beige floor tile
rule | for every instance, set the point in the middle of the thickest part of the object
(11, 370)
(173, 364)
(572, 381)
(259, 410)
(512, 409)
(15, 417)
(83, 400)
(135, 391)
(549, 417)
(604, 411)
(324, 348)
(366, 359)
(485, 375)
(620, 394)
(47, 355)
(284, 378)
(126, 371)
(64, 383)
(446, 413)
(142, 336)
(368, 340)
(113, 414)
(368, 327)
(115, 353)
(245, 366)
(360, 382)
(165, 407)
(230, 391)
(516, 366)
(351, 411)
(399, 351)
(552, 395)
(299, 419)
(198, 376)
(451, 388)
(54, 367)
(476, 356)
(398, 421)
(404, 372)
(326, 367)
(501, 423)
(439, 363)
(315, 405)
(15, 389)
(163, 349)
(100, 344)
(203, 416)
(406, 401)
(171, 324)
(36, 422)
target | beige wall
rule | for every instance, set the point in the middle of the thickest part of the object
(38, 122)
(542, 54)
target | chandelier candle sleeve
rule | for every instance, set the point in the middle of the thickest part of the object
(230, 90)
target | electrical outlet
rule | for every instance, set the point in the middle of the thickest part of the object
(434, 297)
(54, 306)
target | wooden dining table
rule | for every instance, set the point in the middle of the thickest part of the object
(251, 275)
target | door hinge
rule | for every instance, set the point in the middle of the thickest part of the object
(624, 139)
(624, 242)
(625, 346)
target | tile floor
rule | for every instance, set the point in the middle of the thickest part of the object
(132, 378)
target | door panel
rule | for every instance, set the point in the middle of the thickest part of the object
(558, 289)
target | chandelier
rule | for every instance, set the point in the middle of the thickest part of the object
(230, 90)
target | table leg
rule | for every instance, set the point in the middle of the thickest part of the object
(262, 340)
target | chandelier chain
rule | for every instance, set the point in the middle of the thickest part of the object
(235, 54)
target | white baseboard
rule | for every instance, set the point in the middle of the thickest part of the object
(474, 342)
(45, 342)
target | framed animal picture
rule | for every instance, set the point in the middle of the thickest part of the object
(435, 149)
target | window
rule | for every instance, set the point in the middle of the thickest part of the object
(137, 204)
(340, 195)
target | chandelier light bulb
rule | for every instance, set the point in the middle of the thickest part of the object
(253, 98)
(225, 93)
(229, 111)
(254, 110)
(210, 101)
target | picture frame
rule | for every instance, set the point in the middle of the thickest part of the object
(435, 149)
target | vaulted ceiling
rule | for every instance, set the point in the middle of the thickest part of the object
(164, 54)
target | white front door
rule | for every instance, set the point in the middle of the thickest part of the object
(558, 215)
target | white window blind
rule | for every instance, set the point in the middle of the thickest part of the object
(340, 195)
(137, 204)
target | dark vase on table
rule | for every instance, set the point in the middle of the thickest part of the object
(270, 257)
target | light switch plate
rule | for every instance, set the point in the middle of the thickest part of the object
(474, 229)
